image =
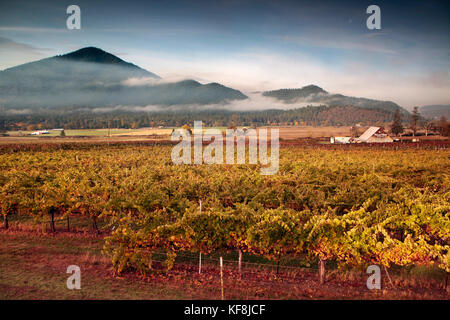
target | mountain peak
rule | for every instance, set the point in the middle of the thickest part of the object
(99, 56)
(312, 88)
(93, 78)
(296, 93)
(93, 54)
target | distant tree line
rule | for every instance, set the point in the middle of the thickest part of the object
(311, 115)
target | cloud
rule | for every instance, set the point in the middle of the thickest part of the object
(19, 111)
(437, 79)
(407, 82)
(33, 29)
(246, 71)
(8, 44)
(147, 108)
(146, 81)
(255, 102)
(14, 53)
(347, 43)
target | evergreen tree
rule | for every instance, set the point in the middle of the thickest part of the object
(443, 126)
(414, 119)
(397, 127)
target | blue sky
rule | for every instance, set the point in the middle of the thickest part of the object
(252, 45)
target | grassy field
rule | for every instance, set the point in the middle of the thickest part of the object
(147, 132)
(285, 132)
(76, 135)
(74, 132)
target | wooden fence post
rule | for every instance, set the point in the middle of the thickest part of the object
(321, 270)
(200, 263)
(200, 255)
(221, 277)
(278, 263)
(240, 261)
(52, 222)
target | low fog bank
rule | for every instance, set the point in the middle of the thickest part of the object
(255, 102)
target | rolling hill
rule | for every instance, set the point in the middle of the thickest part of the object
(313, 93)
(92, 78)
(435, 112)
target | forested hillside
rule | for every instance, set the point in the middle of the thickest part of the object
(313, 93)
(312, 115)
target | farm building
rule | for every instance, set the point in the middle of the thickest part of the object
(375, 134)
(341, 140)
(36, 133)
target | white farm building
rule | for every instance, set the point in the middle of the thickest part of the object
(341, 140)
(37, 133)
(375, 134)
